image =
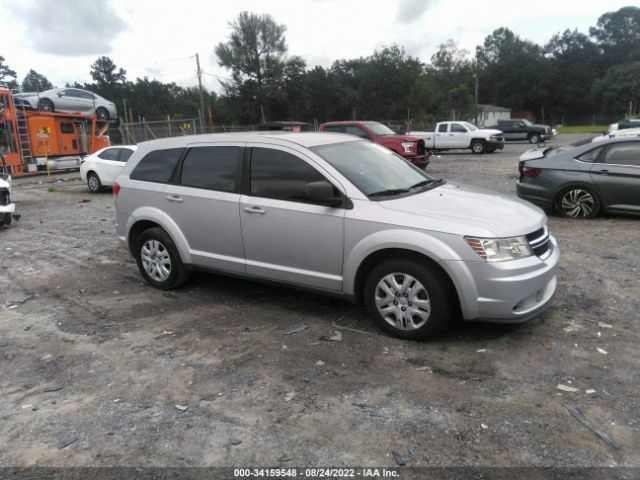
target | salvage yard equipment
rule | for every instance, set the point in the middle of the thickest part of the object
(32, 140)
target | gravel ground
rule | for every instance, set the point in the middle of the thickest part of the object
(99, 369)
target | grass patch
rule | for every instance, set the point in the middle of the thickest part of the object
(584, 129)
(51, 188)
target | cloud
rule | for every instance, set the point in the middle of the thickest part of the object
(69, 27)
(411, 10)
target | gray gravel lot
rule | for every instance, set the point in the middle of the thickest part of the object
(97, 368)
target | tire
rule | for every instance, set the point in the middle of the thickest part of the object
(432, 299)
(5, 219)
(102, 114)
(534, 138)
(158, 259)
(45, 105)
(94, 183)
(491, 150)
(578, 202)
(478, 147)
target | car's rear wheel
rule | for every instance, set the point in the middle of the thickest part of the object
(578, 202)
(102, 114)
(94, 183)
(534, 138)
(158, 259)
(45, 105)
(407, 299)
(478, 147)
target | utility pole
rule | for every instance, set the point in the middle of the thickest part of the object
(201, 93)
(475, 77)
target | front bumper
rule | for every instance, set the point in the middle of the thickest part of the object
(495, 144)
(549, 135)
(419, 160)
(506, 292)
(536, 193)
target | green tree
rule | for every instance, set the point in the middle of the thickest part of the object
(105, 72)
(256, 55)
(618, 34)
(7, 73)
(35, 82)
(452, 71)
(618, 88)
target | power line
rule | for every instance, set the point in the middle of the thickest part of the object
(217, 76)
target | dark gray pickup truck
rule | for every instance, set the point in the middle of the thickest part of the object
(523, 129)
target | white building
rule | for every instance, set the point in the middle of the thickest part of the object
(490, 114)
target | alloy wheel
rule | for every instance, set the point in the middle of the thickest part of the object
(577, 203)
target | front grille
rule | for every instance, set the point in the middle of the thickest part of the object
(499, 138)
(420, 147)
(539, 242)
(4, 197)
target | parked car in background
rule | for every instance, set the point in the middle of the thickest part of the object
(465, 135)
(101, 168)
(624, 124)
(69, 100)
(338, 214)
(583, 181)
(523, 129)
(627, 132)
(409, 147)
(7, 207)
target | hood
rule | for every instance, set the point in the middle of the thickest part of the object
(470, 210)
(399, 138)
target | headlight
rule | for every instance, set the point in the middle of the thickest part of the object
(408, 146)
(494, 137)
(500, 249)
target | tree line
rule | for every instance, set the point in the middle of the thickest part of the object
(572, 78)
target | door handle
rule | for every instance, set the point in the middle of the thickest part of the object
(257, 210)
(604, 172)
(174, 198)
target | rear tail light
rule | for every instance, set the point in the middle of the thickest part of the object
(531, 172)
(116, 189)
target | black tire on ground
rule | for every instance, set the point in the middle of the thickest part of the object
(45, 105)
(478, 147)
(177, 273)
(5, 219)
(94, 183)
(578, 202)
(437, 288)
(102, 114)
(534, 138)
(491, 150)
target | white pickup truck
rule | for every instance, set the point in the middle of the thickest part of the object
(450, 135)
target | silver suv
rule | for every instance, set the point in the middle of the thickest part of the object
(339, 215)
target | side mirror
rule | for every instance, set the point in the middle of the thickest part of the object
(321, 193)
(60, 94)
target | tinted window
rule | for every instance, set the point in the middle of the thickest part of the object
(356, 131)
(591, 155)
(442, 127)
(110, 154)
(157, 166)
(125, 154)
(335, 128)
(71, 93)
(67, 128)
(627, 153)
(83, 94)
(213, 168)
(456, 127)
(277, 174)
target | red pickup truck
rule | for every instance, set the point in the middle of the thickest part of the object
(410, 148)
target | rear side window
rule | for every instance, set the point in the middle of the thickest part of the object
(442, 127)
(157, 166)
(278, 174)
(124, 154)
(110, 154)
(213, 168)
(358, 132)
(335, 128)
(591, 155)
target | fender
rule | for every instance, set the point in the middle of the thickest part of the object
(158, 216)
(415, 241)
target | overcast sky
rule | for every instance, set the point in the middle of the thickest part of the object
(158, 38)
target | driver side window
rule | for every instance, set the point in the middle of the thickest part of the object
(457, 128)
(280, 175)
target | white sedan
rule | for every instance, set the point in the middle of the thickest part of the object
(101, 168)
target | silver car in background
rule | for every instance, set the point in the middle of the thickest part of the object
(586, 180)
(70, 100)
(340, 215)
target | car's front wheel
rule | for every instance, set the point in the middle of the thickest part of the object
(158, 259)
(102, 114)
(578, 202)
(478, 147)
(408, 299)
(534, 138)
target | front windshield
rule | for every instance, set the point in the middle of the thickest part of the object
(379, 129)
(373, 169)
(470, 126)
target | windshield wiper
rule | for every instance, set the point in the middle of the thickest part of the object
(425, 183)
(390, 191)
